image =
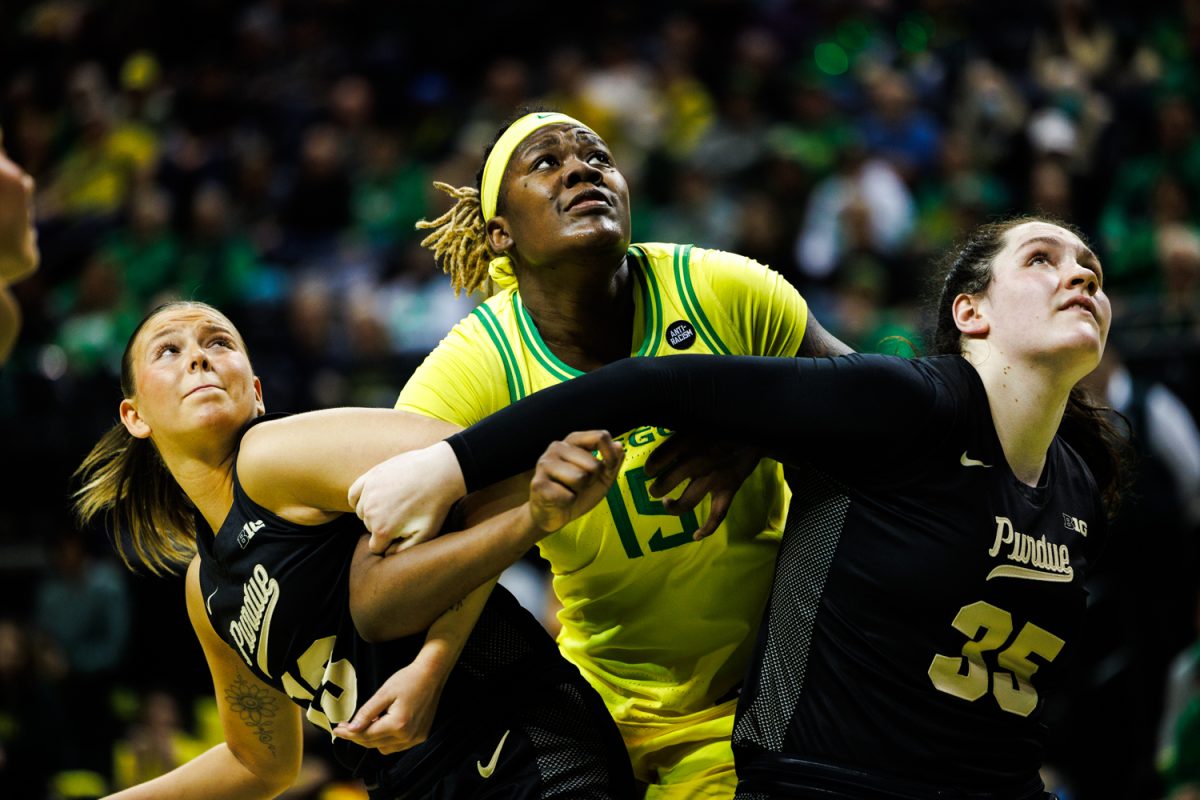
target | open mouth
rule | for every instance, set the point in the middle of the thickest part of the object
(589, 198)
(1081, 302)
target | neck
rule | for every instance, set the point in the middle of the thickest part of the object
(1027, 404)
(583, 313)
(206, 478)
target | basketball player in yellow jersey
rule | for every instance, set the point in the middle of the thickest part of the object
(660, 620)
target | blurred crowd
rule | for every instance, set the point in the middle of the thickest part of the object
(272, 157)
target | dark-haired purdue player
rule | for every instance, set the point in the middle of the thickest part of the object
(946, 512)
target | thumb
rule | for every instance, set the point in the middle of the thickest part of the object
(355, 494)
(368, 711)
(379, 543)
(612, 464)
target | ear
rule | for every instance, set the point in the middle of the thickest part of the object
(259, 406)
(969, 315)
(132, 420)
(498, 236)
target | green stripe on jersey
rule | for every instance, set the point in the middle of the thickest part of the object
(533, 340)
(651, 303)
(683, 277)
(512, 373)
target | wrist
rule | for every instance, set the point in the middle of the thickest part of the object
(450, 472)
(526, 524)
(436, 658)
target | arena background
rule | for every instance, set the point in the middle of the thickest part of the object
(271, 158)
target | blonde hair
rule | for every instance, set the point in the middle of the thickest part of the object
(124, 478)
(459, 239)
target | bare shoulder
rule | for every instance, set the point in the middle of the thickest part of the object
(818, 342)
(195, 608)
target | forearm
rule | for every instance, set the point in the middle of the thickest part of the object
(736, 397)
(216, 773)
(792, 408)
(449, 633)
(400, 594)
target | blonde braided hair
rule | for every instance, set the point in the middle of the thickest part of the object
(459, 239)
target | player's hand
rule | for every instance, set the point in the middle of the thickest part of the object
(711, 467)
(407, 497)
(400, 714)
(572, 476)
(18, 238)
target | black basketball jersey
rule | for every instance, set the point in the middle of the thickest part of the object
(924, 603)
(924, 600)
(278, 594)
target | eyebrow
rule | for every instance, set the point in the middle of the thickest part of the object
(552, 138)
(206, 328)
(1087, 255)
(545, 139)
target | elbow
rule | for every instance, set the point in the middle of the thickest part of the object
(378, 618)
(277, 784)
(275, 775)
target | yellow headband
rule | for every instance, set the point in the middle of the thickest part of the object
(497, 161)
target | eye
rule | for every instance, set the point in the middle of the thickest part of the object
(1040, 257)
(222, 341)
(543, 162)
(602, 157)
(164, 348)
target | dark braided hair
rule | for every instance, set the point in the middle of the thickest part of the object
(459, 237)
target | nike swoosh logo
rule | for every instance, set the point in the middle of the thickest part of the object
(486, 772)
(208, 601)
(971, 462)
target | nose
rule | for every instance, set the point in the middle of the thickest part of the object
(1082, 276)
(199, 359)
(578, 170)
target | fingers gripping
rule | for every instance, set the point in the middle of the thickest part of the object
(572, 476)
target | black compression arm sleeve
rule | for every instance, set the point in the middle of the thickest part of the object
(778, 404)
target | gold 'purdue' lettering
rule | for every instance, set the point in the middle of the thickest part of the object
(1046, 561)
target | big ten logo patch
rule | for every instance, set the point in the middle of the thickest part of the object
(1075, 524)
(681, 335)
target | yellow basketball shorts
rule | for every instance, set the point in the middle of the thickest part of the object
(681, 759)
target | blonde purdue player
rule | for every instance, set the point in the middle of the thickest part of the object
(660, 617)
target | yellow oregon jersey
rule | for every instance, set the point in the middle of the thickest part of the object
(662, 626)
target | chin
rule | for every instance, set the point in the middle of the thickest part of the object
(600, 239)
(1079, 357)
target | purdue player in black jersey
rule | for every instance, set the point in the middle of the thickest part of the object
(258, 513)
(946, 513)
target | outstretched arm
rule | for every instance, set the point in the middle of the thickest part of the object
(792, 408)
